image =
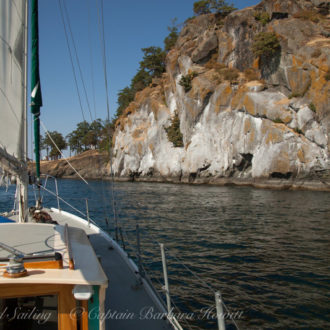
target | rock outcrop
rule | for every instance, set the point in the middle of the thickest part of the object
(90, 165)
(244, 117)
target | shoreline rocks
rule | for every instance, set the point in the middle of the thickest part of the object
(94, 166)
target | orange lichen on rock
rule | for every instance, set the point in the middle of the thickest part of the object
(173, 59)
(155, 106)
(273, 136)
(226, 45)
(282, 163)
(296, 61)
(286, 117)
(319, 92)
(138, 132)
(132, 107)
(247, 125)
(237, 101)
(249, 105)
(256, 64)
(299, 80)
(224, 97)
(201, 88)
(273, 132)
(252, 136)
(249, 130)
(301, 155)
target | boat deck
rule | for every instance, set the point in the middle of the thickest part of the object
(128, 304)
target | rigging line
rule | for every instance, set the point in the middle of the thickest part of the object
(102, 41)
(71, 59)
(64, 158)
(91, 54)
(77, 59)
(45, 129)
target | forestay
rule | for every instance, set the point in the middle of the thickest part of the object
(12, 82)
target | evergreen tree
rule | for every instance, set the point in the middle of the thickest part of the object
(59, 142)
(153, 61)
(170, 40)
(140, 81)
(202, 7)
(213, 6)
(106, 135)
(125, 97)
(152, 65)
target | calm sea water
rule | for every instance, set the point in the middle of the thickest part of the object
(268, 252)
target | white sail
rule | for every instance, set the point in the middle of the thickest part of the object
(12, 83)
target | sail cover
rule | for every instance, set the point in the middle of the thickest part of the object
(12, 78)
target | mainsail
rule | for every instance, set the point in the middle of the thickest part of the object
(13, 73)
(12, 86)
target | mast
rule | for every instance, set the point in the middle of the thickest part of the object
(36, 99)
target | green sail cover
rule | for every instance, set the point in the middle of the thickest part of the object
(36, 99)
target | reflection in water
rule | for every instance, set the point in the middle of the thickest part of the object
(266, 251)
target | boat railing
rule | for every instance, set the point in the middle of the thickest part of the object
(171, 306)
(162, 286)
(60, 199)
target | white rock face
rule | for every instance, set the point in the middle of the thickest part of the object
(253, 140)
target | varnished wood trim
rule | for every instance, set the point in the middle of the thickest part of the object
(67, 317)
(48, 264)
(21, 290)
(84, 315)
(66, 303)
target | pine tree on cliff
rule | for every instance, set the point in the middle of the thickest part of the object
(213, 6)
(153, 61)
(170, 40)
(151, 66)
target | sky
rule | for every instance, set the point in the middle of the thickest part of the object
(129, 25)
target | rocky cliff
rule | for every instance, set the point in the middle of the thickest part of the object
(242, 116)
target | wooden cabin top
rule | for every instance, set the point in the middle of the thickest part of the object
(71, 243)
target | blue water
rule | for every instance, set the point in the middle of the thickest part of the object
(266, 251)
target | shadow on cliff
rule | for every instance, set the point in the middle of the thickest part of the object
(270, 65)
